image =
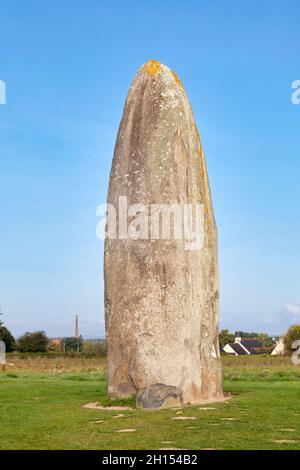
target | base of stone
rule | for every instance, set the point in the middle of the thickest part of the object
(160, 396)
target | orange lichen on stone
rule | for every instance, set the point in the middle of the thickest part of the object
(152, 67)
(203, 171)
(177, 80)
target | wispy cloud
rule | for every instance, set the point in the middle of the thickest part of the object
(275, 323)
(293, 309)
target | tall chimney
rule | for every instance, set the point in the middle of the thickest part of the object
(76, 327)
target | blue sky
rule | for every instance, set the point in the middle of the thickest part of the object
(67, 66)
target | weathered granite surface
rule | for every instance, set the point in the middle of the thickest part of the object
(161, 300)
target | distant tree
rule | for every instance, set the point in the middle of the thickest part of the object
(33, 342)
(292, 335)
(71, 344)
(225, 337)
(7, 337)
(93, 348)
(1, 313)
(246, 334)
(266, 340)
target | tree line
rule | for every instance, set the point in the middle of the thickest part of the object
(38, 342)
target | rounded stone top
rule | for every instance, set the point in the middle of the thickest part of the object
(159, 70)
(160, 83)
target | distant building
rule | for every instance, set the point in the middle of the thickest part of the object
(244, 346)
(55, 345)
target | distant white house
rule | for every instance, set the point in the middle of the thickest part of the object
(243, 346)
(279, 348)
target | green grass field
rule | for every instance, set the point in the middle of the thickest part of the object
(41, 408)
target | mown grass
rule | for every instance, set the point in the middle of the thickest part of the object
(41, 408)
(259, 368)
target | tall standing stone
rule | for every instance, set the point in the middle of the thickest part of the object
(161, 300)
